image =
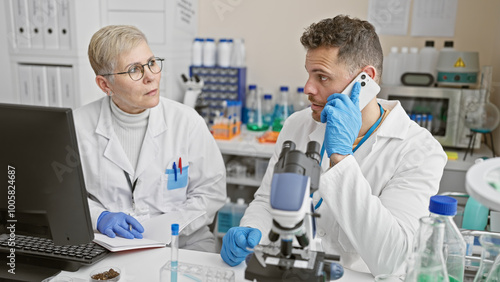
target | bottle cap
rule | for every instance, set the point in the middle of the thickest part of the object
(240, 201)
(268, 97)
(448, 44)
(394, 49)
(443, 205)
(300, 89)
(284, 88)
(222, 40)
(404, 49)
(429, 43)
(252, 87)
(199, 39)
(175, 229)
(210, 39)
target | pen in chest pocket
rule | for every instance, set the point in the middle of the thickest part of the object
(175, 171)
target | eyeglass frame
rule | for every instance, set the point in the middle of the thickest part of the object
(142, 67)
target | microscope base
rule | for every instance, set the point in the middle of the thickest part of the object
(265, 267)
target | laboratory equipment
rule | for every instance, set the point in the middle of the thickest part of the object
(481, 116)
(482, 182)
(455, 68)
(454, 247)
(282, 110)
(238, 210)
(193, 87)
(40, 153)
(199, 273)
(296, 176)
(301, 100)
(225, 217)
(209, 52)
(174, 252)
(197, 52)
(223, 53)
(428, 57)
(268, 109)
(392, 66)
(255, 121)
(426, 263)
(444, 104)
(490, 244)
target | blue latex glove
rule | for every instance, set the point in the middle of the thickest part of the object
(121, 224)
(235, 243)
(343, 121)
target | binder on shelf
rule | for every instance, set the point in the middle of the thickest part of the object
(39, 85)
(37, 21)
(53, 86)
(67, 92)
(19, 12)
(50, 34)
(25, 86)
(63, 24)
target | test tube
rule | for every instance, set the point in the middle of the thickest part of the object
(174, 251)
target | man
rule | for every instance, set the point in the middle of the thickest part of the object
(379, 167)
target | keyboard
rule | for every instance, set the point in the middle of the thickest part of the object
(43, 251)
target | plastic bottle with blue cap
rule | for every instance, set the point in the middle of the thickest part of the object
(454, 246)
(174, 251)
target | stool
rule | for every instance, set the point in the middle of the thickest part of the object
(472, 140)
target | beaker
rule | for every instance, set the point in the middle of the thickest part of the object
(490, 244)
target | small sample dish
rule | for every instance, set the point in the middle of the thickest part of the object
(106, 273)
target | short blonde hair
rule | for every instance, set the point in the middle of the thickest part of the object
(109, 42)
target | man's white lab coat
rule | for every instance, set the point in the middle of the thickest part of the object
(174, 132)
(372, 201)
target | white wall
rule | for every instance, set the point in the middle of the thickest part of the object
(272, 30)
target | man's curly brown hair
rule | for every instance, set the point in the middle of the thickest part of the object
(358, 43)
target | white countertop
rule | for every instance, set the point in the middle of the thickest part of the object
(145, 265)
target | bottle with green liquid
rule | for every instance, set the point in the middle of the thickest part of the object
(426, 263)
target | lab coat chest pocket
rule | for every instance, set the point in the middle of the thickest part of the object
(175, 182)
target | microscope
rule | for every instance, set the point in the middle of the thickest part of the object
(295, 178)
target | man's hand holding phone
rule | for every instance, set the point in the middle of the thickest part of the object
(343, 121)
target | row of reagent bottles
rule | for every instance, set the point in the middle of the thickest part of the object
(230, 214)
(262, 113)
(226, 53)
(410, 60)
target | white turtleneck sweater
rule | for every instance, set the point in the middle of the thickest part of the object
(130, 129)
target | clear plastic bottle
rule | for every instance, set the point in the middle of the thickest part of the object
(413, 63)
(225, 217)
(267, 109)
(426, 263)
(255, 121)
(454, 247)
(282, 109)
(428, 58)
(238, 211)
(197, 52)
(403, 66)
(300, 101)
(391, 67)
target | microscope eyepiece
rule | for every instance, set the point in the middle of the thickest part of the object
(313, 151)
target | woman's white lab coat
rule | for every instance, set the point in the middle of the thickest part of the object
(175, 132)
(372, 201)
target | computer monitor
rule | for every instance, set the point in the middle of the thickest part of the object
(43, 190)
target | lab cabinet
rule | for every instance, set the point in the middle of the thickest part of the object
(48, 42)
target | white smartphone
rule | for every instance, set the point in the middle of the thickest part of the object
(369, 89)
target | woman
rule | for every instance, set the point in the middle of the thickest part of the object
(144, 155)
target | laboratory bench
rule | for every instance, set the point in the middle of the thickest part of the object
(145, 265)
